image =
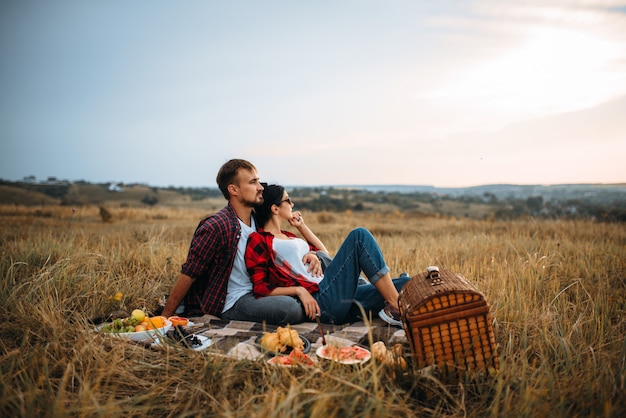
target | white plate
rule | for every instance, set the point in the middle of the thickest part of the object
(205, 343)
(139, 336)
(353, 354)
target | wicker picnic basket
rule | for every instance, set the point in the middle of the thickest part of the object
(446, 319)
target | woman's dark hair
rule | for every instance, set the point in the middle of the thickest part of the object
(272, 195)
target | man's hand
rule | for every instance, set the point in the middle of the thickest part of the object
(180, 289)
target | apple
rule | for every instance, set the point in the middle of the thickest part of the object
(138, 314)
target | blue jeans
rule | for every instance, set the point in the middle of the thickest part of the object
(340, 289)
(275, 310)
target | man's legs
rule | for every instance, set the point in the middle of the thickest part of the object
(273, 310)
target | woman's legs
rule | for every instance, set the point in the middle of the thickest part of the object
(359, 252)
(370, 300)
(387, 290)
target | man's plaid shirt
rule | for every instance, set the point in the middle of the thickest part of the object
(210, 261)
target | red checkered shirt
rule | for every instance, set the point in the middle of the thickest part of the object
(210, 261)
(265, 273)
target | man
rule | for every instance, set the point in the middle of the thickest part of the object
(214, 279)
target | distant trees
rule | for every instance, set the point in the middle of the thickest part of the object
(602, 203)
(339, 200)
(197, 193)
(56, 190)
(150, 199)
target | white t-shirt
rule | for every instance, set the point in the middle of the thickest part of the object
(239, 283)
(292, 250)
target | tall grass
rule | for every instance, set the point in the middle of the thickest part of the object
(557, 292)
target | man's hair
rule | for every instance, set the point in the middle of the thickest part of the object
(228, 174)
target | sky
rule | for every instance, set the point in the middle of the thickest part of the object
(449, 93)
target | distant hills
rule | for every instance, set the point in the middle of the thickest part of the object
(605, 202)
(606, 193)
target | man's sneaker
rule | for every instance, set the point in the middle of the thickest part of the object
(390, 315)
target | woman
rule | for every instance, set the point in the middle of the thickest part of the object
(279, 263)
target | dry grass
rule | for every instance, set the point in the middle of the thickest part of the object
(557, 290)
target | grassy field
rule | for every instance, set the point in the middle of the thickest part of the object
(557, 292)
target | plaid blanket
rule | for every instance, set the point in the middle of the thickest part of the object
(238, 338)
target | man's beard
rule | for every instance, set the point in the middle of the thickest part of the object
(253, 203)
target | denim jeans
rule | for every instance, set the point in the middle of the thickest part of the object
(275, 310)
(340, 289)
(368, 298)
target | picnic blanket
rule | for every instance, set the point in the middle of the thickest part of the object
(238, 338)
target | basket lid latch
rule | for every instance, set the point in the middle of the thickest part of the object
(433, 276)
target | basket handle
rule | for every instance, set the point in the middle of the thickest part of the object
(433, 276)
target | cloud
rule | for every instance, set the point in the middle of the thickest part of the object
(312, 92)
(572, 147)
(555, 57)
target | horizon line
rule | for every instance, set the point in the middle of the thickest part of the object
(339, 185)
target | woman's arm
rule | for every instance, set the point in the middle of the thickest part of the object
(314, 263)
(307, 234)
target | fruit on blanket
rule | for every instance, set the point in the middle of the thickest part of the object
(295, 358)
(379, 351)
(299, 357)
(138, 314)
(156, 322)
(178, 320)
(138, 321)
(393, 357)
(186, 338)
(120, 325)
(348, 355)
